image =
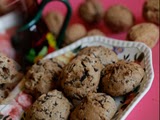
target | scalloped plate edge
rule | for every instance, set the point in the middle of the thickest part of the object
(119, 43)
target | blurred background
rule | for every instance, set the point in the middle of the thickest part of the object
(13, 15)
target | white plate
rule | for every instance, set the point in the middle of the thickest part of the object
(125, 50)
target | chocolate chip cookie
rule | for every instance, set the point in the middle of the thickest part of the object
(81, 76)
(50, 106)
(43, 76)
(9, 69)
(105, 55)
(96, 106)
(121, 78)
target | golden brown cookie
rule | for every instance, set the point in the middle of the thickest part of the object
(121, 78)
(50, 106)
(118, 18)
(43, 76)
(151, 11)
(147, 33)
(96, 106)
(73, 33)
(81, 76)
(9, 69)
(10, 75)
(91, 11)
(54, 21)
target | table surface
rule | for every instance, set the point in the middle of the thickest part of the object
(148, 107)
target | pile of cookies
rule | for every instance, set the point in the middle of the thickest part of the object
(83, 89)
(118, 18)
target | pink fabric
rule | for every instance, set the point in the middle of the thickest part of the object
(148, 107)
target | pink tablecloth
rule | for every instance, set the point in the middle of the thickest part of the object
(148, 107)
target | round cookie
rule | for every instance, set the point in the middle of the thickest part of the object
(121, 78)
(151, 11)
(91, 11)
(54, 21)
(147, 33)
(50, 106)
(9, 69)
(74, 32)
(105, 55)
(96, 106)
(81, 76)
(118, 18)
(43, 76)
(95, 32)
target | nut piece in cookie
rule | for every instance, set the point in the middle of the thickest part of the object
(91, 11)
(96, 106)
(105, 55)
(43, 76)
(81, 76)
(121, 78)
(50, 106)
(147, 33)
(151, 11)
(118, 18)
(9, 69)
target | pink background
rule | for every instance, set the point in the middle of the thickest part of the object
(148, 107)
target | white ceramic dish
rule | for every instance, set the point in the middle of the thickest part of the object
(134, 51)
(125, 50)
